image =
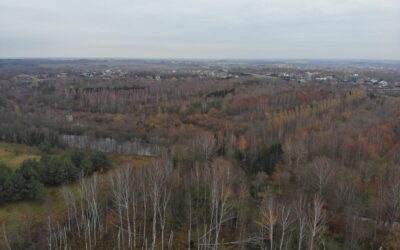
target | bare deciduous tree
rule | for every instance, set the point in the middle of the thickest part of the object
(316, 221)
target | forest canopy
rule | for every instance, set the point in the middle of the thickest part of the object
(204, 154)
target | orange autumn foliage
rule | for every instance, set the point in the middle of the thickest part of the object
(242, 144)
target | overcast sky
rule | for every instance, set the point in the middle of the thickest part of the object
(231, 29)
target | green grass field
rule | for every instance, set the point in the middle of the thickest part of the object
(13, 154)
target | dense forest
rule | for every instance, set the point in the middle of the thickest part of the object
(244, 155)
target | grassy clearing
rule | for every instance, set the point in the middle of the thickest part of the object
(13, 154)
(134, 160)
(21, 207)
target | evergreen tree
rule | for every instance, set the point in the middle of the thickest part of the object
(265, 160)
(32, 188)
(82, 161)
(15, 186)
(100, 160)
(59, 170)
(5, 175)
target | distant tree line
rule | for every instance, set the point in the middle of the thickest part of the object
(28, 181)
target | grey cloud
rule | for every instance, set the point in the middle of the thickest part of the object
(201, 28)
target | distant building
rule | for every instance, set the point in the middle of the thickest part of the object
(383, 84)
(360, 81)
(285, 76)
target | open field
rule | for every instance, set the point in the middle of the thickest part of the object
(13, 154)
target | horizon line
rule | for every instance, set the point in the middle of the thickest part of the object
(194, 59)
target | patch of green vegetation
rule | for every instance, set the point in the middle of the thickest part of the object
(334, 245)
(17, 208)
(53, 200)
(12, 154)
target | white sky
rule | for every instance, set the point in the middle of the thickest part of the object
(259, 29)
